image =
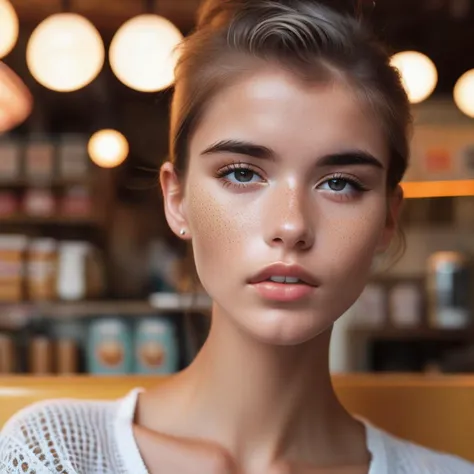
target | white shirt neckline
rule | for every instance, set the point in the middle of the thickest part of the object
(133, 461)
(124, 434)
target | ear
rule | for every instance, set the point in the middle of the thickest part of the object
(173, 196)
(394, 208)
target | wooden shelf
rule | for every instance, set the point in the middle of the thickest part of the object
(180, 302)
(17, 315)
(427, 334)
(53, 220)
(55, 183)
(83, 309)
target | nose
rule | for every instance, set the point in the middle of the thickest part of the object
(289, 220)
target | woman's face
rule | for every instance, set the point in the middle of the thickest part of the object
(285, 201)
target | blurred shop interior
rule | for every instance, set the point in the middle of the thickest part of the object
(91, 278)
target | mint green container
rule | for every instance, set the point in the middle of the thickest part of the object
(156, 346)
(109, 347)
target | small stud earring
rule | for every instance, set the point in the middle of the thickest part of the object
(182, 232)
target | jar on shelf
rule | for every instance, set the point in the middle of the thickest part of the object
(10, 164)
(449, 287)
(109, 348)
(74, 161)
(42, 270)
(39, 160)
(72, 271)
(76, 202)
(12, 251)
(40, 356)
(67, 357)
(9, 204)
(156, 346)
(81, 271)
(7, 354)
(39, 202)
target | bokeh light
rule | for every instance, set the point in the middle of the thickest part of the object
(65, 52)
(143, 53)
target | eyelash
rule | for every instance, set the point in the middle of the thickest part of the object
(352, 180)
(237, 166)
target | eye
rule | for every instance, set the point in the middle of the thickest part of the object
(239, 175)
(342, 185)
(243, 175)
(337, 184)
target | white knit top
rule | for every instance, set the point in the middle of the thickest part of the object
(96, 437)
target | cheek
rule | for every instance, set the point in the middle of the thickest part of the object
(219, 231)
(352, 242)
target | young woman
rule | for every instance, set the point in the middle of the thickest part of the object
(288, 144)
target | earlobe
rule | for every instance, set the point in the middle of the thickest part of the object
(173, 197)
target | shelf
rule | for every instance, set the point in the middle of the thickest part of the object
(17, 315)
(53, 220)
(426, 334)
(83, 309)
(55, 183)
(181, 302)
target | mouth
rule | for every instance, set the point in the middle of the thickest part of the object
(286, 280)
(284, 283)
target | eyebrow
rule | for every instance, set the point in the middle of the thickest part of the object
(240, 148)
(346, 158)
(349, 158)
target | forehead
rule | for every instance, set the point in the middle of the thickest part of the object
(275, 108)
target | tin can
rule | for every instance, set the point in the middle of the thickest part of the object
(109, 349)
(156, 347)
(449, 286)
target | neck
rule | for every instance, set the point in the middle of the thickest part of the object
(262, 402)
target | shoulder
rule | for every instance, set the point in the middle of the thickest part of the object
(411, 458)
(54, 434)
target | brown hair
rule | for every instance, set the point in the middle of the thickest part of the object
(313, 40)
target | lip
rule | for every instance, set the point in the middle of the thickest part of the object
(286, 270)
(284, 292)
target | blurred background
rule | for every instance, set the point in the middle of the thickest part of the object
(91, 279)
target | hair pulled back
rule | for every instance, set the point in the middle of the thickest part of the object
(313, 40)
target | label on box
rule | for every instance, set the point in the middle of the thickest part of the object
(156, 347)
(109, 348)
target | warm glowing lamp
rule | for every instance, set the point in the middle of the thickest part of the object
(143, 53)
(15, 99)
(418, 73)
(65, 52)
(8, 27)
(108, 148)
(464, 93)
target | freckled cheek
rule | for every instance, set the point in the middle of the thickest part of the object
(219, 228)
(351, 242)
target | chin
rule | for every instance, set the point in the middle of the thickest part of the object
(283, 327)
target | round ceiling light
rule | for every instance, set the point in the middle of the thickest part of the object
(464, 93)
(143, 53)
(65, 52)
(16, 101)
(418, 73)
(9, 28)
(108, 148)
